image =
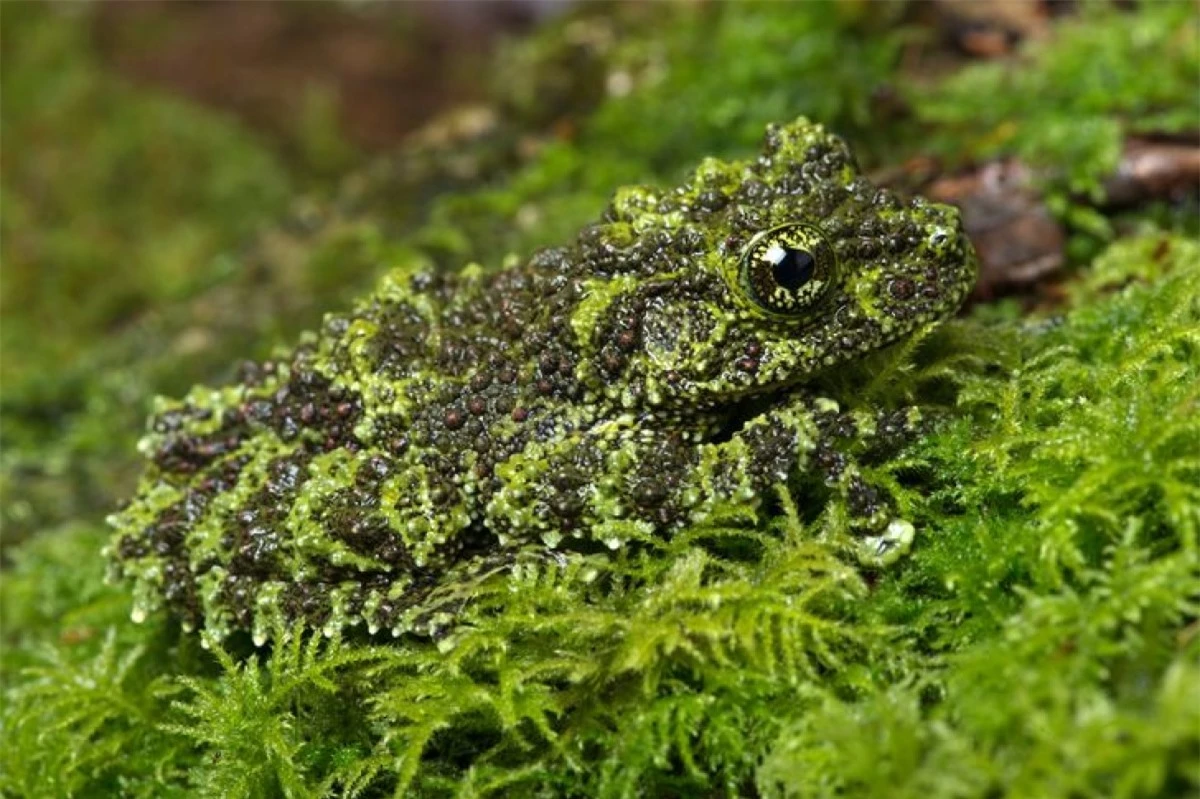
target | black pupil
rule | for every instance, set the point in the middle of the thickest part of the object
(794, 269)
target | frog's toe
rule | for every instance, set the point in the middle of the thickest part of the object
(889, 546)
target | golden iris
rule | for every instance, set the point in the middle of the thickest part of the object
(787, 269)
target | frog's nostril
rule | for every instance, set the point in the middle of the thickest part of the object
(942, 236)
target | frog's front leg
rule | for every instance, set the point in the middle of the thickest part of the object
(622, 480)
(813, 436)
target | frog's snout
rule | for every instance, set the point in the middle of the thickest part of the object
(950, 248)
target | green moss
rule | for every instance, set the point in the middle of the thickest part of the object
(1081, 90)
(1042, 620)
(114, 203)
(120, 209)
(1040, 640)
(1052, 615)
(665, 109)
(111, 181)
(1093, 78)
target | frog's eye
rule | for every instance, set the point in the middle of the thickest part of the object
(788, 269)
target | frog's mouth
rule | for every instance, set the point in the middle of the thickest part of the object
(821, 360)
(833, 382)
(739, 414)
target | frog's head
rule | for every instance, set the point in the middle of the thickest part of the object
(755, 275)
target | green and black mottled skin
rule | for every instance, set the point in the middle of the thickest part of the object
(615, 388)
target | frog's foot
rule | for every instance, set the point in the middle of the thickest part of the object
(806, 436)
(847, 441)
(892, 544)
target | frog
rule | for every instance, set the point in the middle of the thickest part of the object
(585, 399)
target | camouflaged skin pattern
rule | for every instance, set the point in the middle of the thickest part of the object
(614, 388)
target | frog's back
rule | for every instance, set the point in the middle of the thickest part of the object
(349, 475)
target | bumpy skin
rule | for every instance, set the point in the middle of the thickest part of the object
(611, 389)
